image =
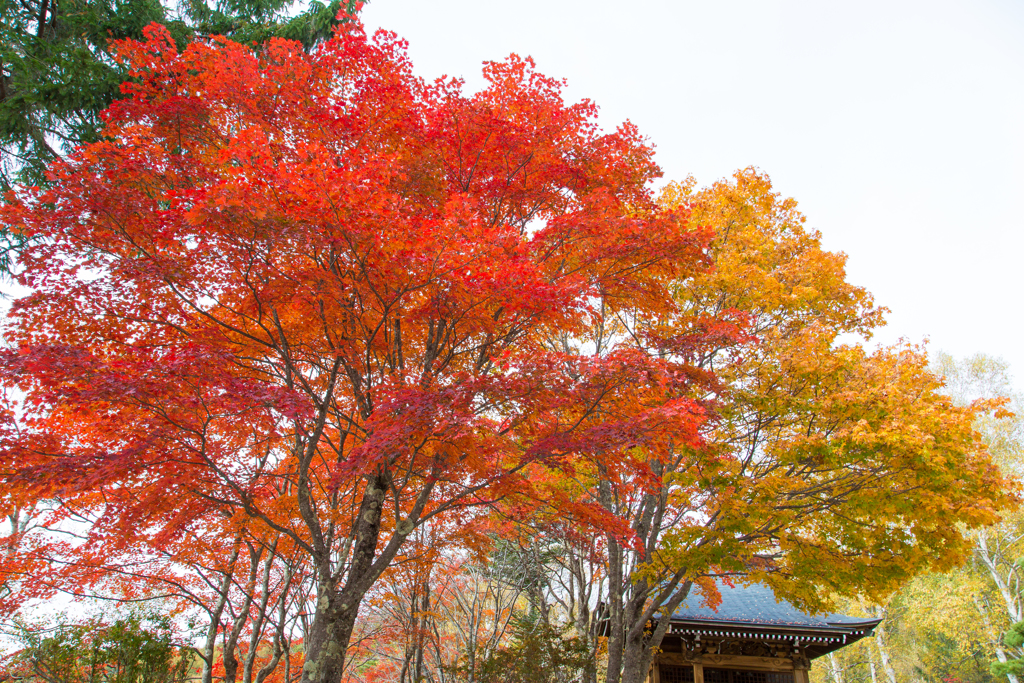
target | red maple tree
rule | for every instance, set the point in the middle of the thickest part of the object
(322, 294)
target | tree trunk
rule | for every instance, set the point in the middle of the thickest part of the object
(636, 641)
(230, 646)
(329, 637)
(636, 662)
(834, 670)
(883, 650)
(616, 588)
(1011, 600)
(256, 636)
(995, 635)
(1001, 656)
(281, 645)
(588, 623)
(641, 642)
(211, 635)
(336, 609)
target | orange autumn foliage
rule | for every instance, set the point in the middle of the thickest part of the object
(311, 297)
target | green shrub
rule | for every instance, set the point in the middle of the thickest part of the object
(137, 649)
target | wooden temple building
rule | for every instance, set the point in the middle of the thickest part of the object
(750, 638)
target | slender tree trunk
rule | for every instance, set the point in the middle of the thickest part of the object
(883, 650)
(421, 633)
(281, 644)
(411, 644)
(996, 644)
(218, 610)
(616, 588)
(1001, 656)
(587, 622)
(835, 672)
(241, 618)
(1011, 599)
(256, 636)
(616, 623)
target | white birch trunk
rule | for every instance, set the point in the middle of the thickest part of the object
(883, 649)
(1000, 653)
(1011, 599)
(835, 671)
(1001, 656)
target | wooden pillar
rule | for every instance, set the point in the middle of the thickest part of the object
(698, 673)
(800, 676)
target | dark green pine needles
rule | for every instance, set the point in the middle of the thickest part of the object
(58, 74)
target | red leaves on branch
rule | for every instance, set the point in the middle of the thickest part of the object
(320, 293)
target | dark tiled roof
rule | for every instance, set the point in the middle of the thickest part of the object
(755, 604)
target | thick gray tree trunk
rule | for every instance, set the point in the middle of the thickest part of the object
(338, 604)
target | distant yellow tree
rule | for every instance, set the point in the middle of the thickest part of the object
(950, 625)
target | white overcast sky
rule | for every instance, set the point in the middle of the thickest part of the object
(897, 126)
